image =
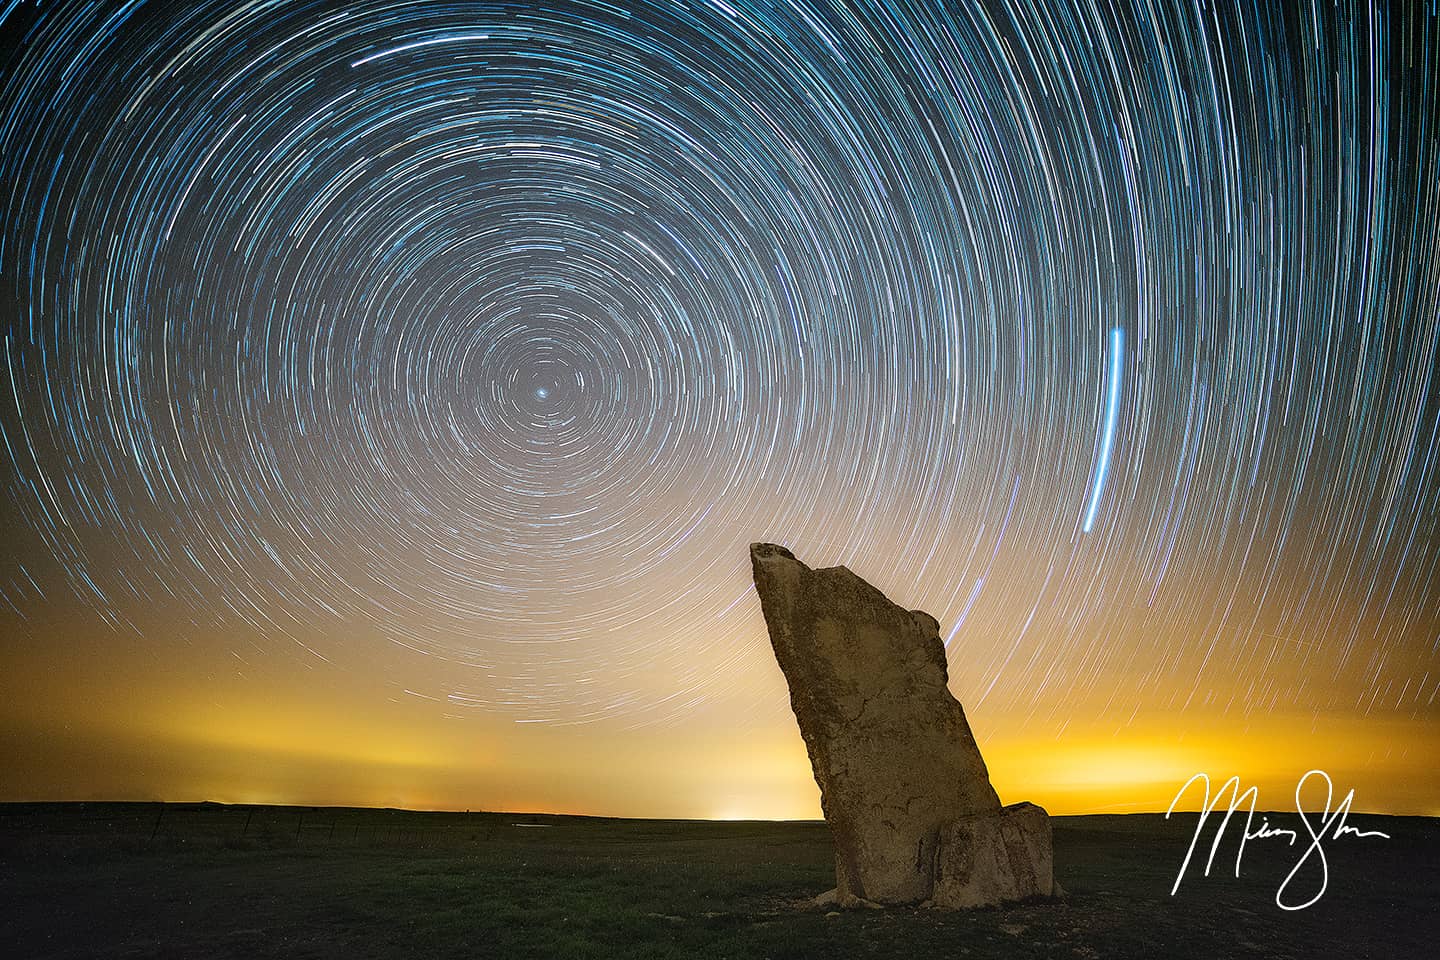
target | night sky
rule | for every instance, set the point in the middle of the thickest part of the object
(391, 392)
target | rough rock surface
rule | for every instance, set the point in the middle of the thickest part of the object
(902, 782)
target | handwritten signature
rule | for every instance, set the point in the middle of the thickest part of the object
(1318, 834)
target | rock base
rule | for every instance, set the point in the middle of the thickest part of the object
(993, 858)
(845, 901)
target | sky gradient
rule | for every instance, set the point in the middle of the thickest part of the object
(392, 391)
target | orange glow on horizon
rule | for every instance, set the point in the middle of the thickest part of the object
(310, 753)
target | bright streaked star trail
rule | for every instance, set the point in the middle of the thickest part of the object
(1112, 414)
(410, 379)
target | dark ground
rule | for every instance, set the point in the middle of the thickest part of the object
(203, 880)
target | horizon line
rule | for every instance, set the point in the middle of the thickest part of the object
(1220, 811)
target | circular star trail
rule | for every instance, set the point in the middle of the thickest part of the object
(487, 336)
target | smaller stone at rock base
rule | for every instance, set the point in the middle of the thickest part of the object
(847, 901)
(994, 857)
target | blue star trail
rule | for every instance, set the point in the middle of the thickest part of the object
(464, 347)
(1112, 414)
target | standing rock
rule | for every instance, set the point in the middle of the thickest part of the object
(902, 783)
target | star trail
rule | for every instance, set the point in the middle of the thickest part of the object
(436, 363)
(1112, 412)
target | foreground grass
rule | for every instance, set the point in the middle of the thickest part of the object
(131, 880)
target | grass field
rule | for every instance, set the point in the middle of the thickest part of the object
(204, 880)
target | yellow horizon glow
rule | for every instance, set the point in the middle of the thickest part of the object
(308, 753)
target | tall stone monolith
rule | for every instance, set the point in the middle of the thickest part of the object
(902, 782)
